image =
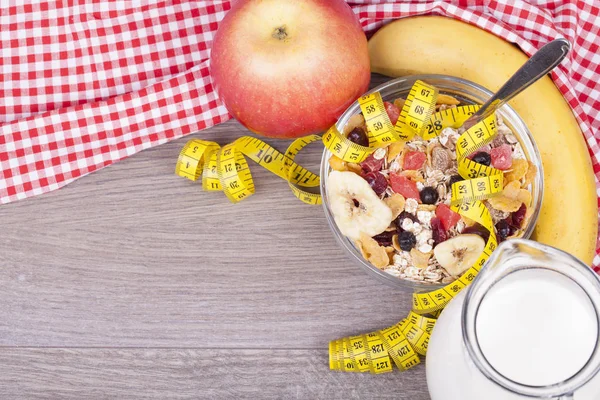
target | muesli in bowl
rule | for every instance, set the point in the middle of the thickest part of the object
(394, 206)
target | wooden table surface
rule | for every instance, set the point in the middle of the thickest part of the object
(133, 283)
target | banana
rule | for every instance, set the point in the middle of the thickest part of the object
(355, 206)
(458, 254)
(423, 45)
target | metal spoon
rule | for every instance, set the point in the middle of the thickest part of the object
(542, 62)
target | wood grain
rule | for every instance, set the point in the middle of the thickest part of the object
(192, 374)
(134, 278)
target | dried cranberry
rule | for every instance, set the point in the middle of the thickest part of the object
(478, 229)
(519, 216)
(393, 111)
(403, 215)
(371, 164)
(438, 233)
(377, 182)
(358, 136)
(385, 238)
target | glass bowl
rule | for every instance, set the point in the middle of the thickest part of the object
(468, 93)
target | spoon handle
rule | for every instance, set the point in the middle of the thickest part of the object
(542, 62)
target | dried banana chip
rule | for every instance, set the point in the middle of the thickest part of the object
(372, 251)
(517, 171)
(396, 203)
(394, 149)
(445, 99)
(426, 207)
(337, 164)
(420, 260)
(530, 175)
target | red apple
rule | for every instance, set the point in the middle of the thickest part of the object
(289, 68)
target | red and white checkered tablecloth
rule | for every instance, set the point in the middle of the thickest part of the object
(85, 83)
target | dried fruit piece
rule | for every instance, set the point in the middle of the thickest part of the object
(337, 164)
(407, 240)
(372, 251)
(377, 182)
(445, 99)
(504, 229)
(372, 164)
(404, 186)
(384, 238)
(478, 229)
(448, 217)
(414, 160)
(483, 158)
(396, 203)
(355, 206)
(438, 233)
(394, 149)
(517, 171)
(393, 111)
(502, 157)
(458, 254)
(419, 259)
(519, 216)
(428, 195)
(357, 120)
(358, 136)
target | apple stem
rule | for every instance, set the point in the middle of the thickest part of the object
(280, 33)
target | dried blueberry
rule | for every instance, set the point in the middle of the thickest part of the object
(407, 240)
(482, 158)
(429, 195)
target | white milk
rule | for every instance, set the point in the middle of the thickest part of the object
(536, 327)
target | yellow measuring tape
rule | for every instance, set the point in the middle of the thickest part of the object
(412, 334)
(226, 169)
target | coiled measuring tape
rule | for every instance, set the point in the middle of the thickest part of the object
(226, 169)
(413, 333)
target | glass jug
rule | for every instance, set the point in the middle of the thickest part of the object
(527, 327)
